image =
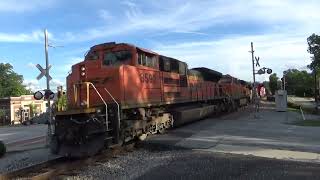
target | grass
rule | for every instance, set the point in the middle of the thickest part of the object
(313, 123)
(293, 109)
(296, 108)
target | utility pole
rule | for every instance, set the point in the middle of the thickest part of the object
(253, 69)
(254, 79)
(48, 81)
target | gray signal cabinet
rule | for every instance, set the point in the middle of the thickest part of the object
(281, 100)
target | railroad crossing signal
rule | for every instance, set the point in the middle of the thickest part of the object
(43, 72)
(47, 94)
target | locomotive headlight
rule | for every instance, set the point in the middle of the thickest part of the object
(83, 74)
(83, 103)
(83, 68)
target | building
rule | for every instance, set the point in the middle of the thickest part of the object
(19, 109)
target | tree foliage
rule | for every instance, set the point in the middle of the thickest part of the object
(33, 109)
(11, 82)
(62, 103)
(299, 83)
(273, 83)
(314, 49)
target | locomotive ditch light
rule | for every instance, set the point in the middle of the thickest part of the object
(38, 95)
(83, 74)
(83, 68)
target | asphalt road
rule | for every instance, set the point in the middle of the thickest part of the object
(19, 138)
(205, 165)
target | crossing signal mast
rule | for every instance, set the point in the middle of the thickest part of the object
(48, 94)
(256, 63)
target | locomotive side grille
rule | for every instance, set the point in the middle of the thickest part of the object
(172, 81)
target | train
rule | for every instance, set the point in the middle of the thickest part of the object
(121, 92)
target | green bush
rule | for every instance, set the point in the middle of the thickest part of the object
(293, 105)
(2, 149)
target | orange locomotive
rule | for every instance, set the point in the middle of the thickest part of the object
(121, 92)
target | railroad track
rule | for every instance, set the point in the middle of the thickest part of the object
(58, 167)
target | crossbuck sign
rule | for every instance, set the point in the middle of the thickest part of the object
(43, 72)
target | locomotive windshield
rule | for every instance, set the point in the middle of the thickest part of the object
(116, 58)
(92, 55)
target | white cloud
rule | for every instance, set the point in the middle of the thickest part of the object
(69, 62)
(105, 15)
(281, 43)
(32, 85)
(191, 17)
(35, 85)
(31, 65)
(54, 83)
(231, 56)
(24, 5)
(35, 36)
(195, 16)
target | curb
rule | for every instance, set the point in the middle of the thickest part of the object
(25, 141)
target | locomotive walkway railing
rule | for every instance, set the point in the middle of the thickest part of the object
(104, 102)
(118, 106)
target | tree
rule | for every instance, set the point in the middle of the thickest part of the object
(33, 109)
(273, 83)
(62, 103)
(314, 49)
(11, 82)
(299, 83)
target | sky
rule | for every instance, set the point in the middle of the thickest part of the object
(209, 33)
